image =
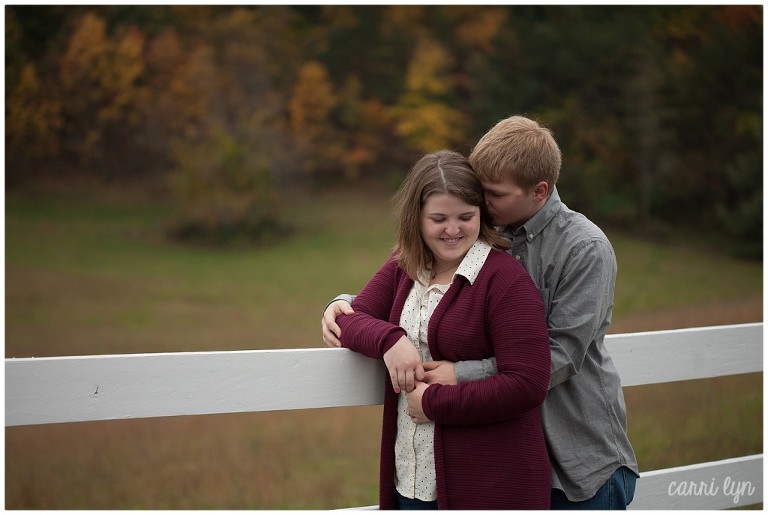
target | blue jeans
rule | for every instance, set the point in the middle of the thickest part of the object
(404, 503)
(615, 494)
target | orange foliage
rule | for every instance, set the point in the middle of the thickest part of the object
(479, 30)
(100, 83)
(312, 101)
(33, 118)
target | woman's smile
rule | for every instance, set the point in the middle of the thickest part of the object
(452, 241)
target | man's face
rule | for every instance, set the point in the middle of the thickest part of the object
(508, 203)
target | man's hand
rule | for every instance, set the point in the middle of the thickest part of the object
(404, 365)
(331, 330)
(440, 372)
(414, 403)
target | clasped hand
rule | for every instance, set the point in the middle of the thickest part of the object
(404, 365)
(407, 372)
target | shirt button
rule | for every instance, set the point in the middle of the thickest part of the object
(517, 257)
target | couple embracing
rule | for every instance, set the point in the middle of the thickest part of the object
(490, 317)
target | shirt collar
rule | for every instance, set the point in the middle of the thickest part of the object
(541, 219)
(473, 261)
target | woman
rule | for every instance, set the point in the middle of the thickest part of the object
(450, 292)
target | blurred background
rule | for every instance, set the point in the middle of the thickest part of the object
(192, 178)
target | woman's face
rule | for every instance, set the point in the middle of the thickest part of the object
(449, 227)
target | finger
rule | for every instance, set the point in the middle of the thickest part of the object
(339, 307)
(329, 338)
(331, 341)
(335, 332)
(419, 372)
(409, 380)
(430, 365)
(395, 381)
(404, 380)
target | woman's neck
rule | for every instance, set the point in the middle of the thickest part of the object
(442, 272)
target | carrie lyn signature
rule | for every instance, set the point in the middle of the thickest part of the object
(729, 488)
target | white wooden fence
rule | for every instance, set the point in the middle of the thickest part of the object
(84, 388)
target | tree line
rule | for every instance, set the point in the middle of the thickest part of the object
(657, 109)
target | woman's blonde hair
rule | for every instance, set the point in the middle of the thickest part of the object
(520, 149)
(447, 172)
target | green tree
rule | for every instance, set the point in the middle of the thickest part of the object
(714, 76)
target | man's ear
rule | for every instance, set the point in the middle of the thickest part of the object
(541, 191)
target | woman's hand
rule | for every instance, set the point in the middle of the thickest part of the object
(404, 365)
(415, 410)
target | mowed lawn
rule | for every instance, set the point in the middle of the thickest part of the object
(90, 273)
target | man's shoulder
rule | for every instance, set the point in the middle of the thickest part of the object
(576, 227)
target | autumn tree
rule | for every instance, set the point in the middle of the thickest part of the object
(425, 116)
(102, 96)
(230, 149)
(310, 108)
(33, 121)
(658, 109)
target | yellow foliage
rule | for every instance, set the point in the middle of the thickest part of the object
(127, 67)
(33, 117)
(86, 54)
(423, 117)
(310, 108)
(430, 126)
(429, 69)
(403, 19)
(312, 99)
(479, 30)
(101, 81)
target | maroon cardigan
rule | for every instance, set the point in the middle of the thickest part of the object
(490, 451)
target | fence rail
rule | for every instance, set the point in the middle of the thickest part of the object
(87, 388)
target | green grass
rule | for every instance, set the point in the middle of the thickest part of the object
(99, 278)
(92, 274)
(657, 276)
(94, 277)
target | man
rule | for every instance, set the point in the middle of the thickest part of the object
(573, 264)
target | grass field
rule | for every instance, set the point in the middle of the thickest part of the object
(90, 273)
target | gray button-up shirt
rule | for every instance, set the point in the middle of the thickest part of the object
(573, 264)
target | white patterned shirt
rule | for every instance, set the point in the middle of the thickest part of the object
(414, 446)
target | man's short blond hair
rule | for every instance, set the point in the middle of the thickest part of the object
(520, 149)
